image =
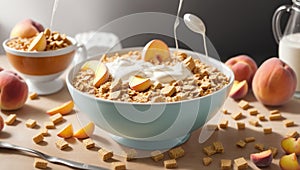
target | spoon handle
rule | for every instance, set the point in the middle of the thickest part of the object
(51, 159)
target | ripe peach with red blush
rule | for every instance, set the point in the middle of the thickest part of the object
(274, 82)
(243, 67)
(13, 90)
(26, 28)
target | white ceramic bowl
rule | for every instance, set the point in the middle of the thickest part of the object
(41, 69)
(151, 126)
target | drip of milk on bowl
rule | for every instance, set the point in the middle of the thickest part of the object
(123, 68)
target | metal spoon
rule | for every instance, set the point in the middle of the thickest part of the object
(51, 159)
(195, 24)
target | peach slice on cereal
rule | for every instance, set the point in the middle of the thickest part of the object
(39, 43)
(139, 84)
(85, 132)
(92, 64)
(101, 75)
(66, 132)
(156, 50)
(63, 109)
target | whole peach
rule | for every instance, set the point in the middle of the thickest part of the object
(243, 67)
(274, 82)
(13, 91)
(1, 123)
(26, 28)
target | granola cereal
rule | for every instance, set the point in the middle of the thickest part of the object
(200, 79)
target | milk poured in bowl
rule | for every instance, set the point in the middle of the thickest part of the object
(289, 52)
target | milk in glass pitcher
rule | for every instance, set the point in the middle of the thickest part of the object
(289, 40)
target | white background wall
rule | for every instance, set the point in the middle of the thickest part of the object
(234, 26)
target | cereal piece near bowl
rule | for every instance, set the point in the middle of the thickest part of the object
(207, 161)
(30, 123)
(157, 155)
(177, 152)
(170, 164)
(40, 163)
(10, 119)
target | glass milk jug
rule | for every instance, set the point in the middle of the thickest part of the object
(289, 40)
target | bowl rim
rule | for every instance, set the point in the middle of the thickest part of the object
(51, 53)
(124, 50)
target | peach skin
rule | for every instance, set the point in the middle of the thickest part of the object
(289, 162)
(291, 145)
(26, 28)
(1, 123)
(274, 82)
(243, 67)
(262, 159)
(13, 90)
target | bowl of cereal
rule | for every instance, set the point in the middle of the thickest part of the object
(41, 59)
(150, 98)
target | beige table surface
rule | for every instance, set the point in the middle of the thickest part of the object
(35, 109)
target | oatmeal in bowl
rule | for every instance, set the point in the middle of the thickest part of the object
(131, 77)
(152, 97)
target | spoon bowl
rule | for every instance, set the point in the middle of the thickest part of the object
(194, 23)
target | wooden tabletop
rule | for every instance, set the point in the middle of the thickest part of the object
(19, 134)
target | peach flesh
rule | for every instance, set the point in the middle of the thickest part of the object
(139, 83)
(291, 145)
(262, 159)
(156, 50)
(289, 162)
(239, 89)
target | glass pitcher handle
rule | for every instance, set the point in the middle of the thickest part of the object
(276, 20)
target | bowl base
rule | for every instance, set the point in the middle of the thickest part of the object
(46, 87)
(150, 145)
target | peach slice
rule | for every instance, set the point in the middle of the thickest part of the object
(39, 43)
(262, 159)
(62, 109)
(101, 75)
(66, 132)
(289, 162)
(139, 84)
(156, 51)
(239, 89)
(85, 132)
(291, 145)
(92, 64)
